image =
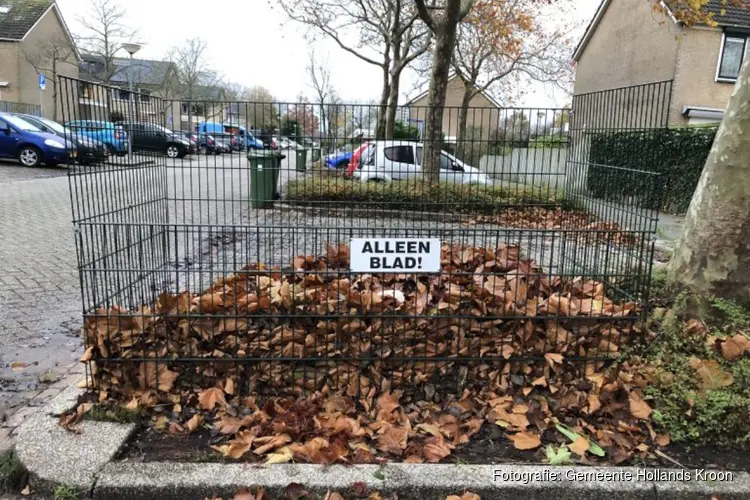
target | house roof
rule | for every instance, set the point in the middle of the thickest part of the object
(142, 71)
(733, 16)
(21, 16)
(452, 77)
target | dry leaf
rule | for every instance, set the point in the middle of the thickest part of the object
(195, 422)
(466, 496)
(553, 359)
(638, 407)
(525, 441)
(711, 374)
(580, 446)
(281, 456)
(210, 398)
(26, 491)
(735, 347)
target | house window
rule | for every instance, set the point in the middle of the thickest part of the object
(732, 54)
(123, 95)
(145, 95)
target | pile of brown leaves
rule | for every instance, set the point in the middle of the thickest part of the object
(371, 368)
(588, 230)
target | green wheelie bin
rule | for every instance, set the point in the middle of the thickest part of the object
(264, 177)
(301, 160)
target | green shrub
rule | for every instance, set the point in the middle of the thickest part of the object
(419, 196)
(12, 472)
(679, 154)
(691, 413)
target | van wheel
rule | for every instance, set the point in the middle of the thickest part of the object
(30, 156)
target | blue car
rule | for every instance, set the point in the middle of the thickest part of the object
(113, 136)
(341, 158)
(251, 142)
(21, 140)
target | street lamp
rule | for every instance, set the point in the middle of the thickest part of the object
(130, 48)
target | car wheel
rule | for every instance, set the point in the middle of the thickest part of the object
(376, 180)
(30, 156)
(173, 151)
(107, 151)
(202, 150)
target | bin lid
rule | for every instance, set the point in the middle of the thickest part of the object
(264, 153)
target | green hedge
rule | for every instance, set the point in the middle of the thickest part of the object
(419, 196)
(679, 154)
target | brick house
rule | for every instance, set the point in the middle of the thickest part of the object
(484, 111)
(627, 43)
(34, 38)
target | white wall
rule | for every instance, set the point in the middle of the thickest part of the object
(530, 166)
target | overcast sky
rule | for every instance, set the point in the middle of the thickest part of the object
(252, 43)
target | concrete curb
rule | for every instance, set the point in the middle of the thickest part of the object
(55, 456)
(84, 461)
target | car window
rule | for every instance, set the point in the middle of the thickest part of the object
(20, 124)
(401, 154)
(3, 125)
(53, 125)
(445, 163)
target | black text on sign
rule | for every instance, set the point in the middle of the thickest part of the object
(400, 255)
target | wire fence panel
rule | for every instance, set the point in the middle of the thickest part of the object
(296, 247)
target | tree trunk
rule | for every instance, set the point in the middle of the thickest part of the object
(392, 105)
(383, 106)
(433, 133)
(712, 256)
(463, 115)
(54, 87)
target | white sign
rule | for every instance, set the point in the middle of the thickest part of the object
(395, 255)
(42, 82)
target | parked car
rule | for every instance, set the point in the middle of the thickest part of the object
(208, 144)
(23, 141)
(188, 137)
(287, 143)
(251, 142)
(356, 160)
(151, 137)
(269, 140)
(221, 132)
(340, 158)
(394, 160)
(89, 150)
(113, 136)
(223, 147)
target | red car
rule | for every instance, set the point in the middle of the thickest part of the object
(354, 162)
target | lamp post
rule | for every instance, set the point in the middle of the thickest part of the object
(130, 48)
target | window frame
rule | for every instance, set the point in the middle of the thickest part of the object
(724, 36)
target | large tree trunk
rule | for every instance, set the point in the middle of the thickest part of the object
(463, 116)
(433, 132)
(392, 105)
(383, 106)
(712, 256)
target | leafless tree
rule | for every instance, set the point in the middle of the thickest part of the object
(47, 57)
(384, 33)
(193, 67)
(104, 32)
(319, 73)
(442, 19)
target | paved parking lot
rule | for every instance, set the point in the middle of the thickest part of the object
(40, 300)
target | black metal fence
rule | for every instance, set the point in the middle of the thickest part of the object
(334, 258)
